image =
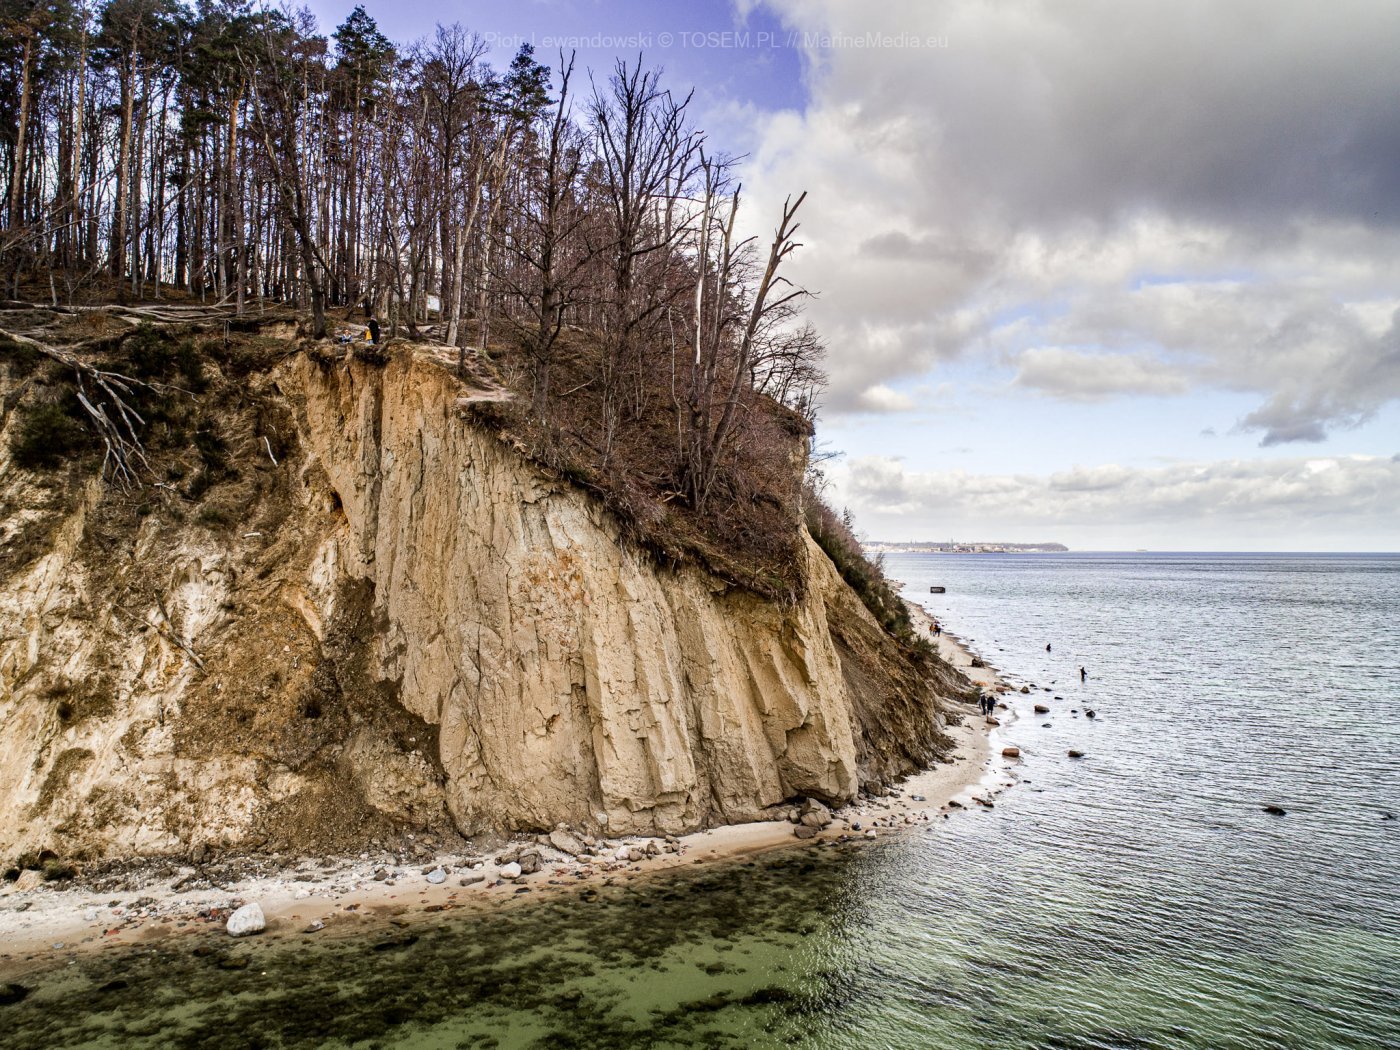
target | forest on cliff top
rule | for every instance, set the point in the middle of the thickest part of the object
(572, 236)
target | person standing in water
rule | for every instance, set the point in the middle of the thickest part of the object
(1047, 647)
(1083, 675)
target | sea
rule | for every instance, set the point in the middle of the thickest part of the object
(1137, 897)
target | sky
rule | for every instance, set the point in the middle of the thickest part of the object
(1112, 273)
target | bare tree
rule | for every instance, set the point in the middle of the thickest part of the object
(646, 154)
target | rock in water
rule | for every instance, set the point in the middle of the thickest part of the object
(510, 872)
(1277, 811)
(247, 920)
(1075, 754)
(437, 876)
(1011, 752)
(1041, 709)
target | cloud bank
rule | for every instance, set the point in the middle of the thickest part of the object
(1292, 503)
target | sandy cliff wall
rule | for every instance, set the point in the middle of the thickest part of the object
(408, 626)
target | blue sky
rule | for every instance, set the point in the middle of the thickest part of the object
(1117, 275)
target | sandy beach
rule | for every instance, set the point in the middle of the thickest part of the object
(349, 895)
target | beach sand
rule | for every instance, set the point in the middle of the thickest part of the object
(341, 896)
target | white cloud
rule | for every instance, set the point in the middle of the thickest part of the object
(1190, 195)
(880, 398)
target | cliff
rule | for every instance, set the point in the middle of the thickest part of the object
(383, 618)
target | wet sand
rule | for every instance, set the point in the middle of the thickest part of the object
(341, 896)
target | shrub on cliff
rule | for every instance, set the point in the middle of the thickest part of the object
(748, 532)
(867, 578)
(48, 435)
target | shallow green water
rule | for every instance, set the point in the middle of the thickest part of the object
(742, 955)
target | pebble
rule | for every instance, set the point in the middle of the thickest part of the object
(437, 876)
(510, 871)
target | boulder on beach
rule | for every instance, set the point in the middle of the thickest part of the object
(246, 921)
(566, 842)
(510, 872)
(815, 814)
(805, 831)
(437, 876)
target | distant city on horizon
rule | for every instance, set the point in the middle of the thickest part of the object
(960, 547)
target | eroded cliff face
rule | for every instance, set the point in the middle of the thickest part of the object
(408, 626)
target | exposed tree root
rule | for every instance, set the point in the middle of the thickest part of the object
(104, 396)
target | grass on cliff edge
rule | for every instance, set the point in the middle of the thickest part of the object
(747, 535)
